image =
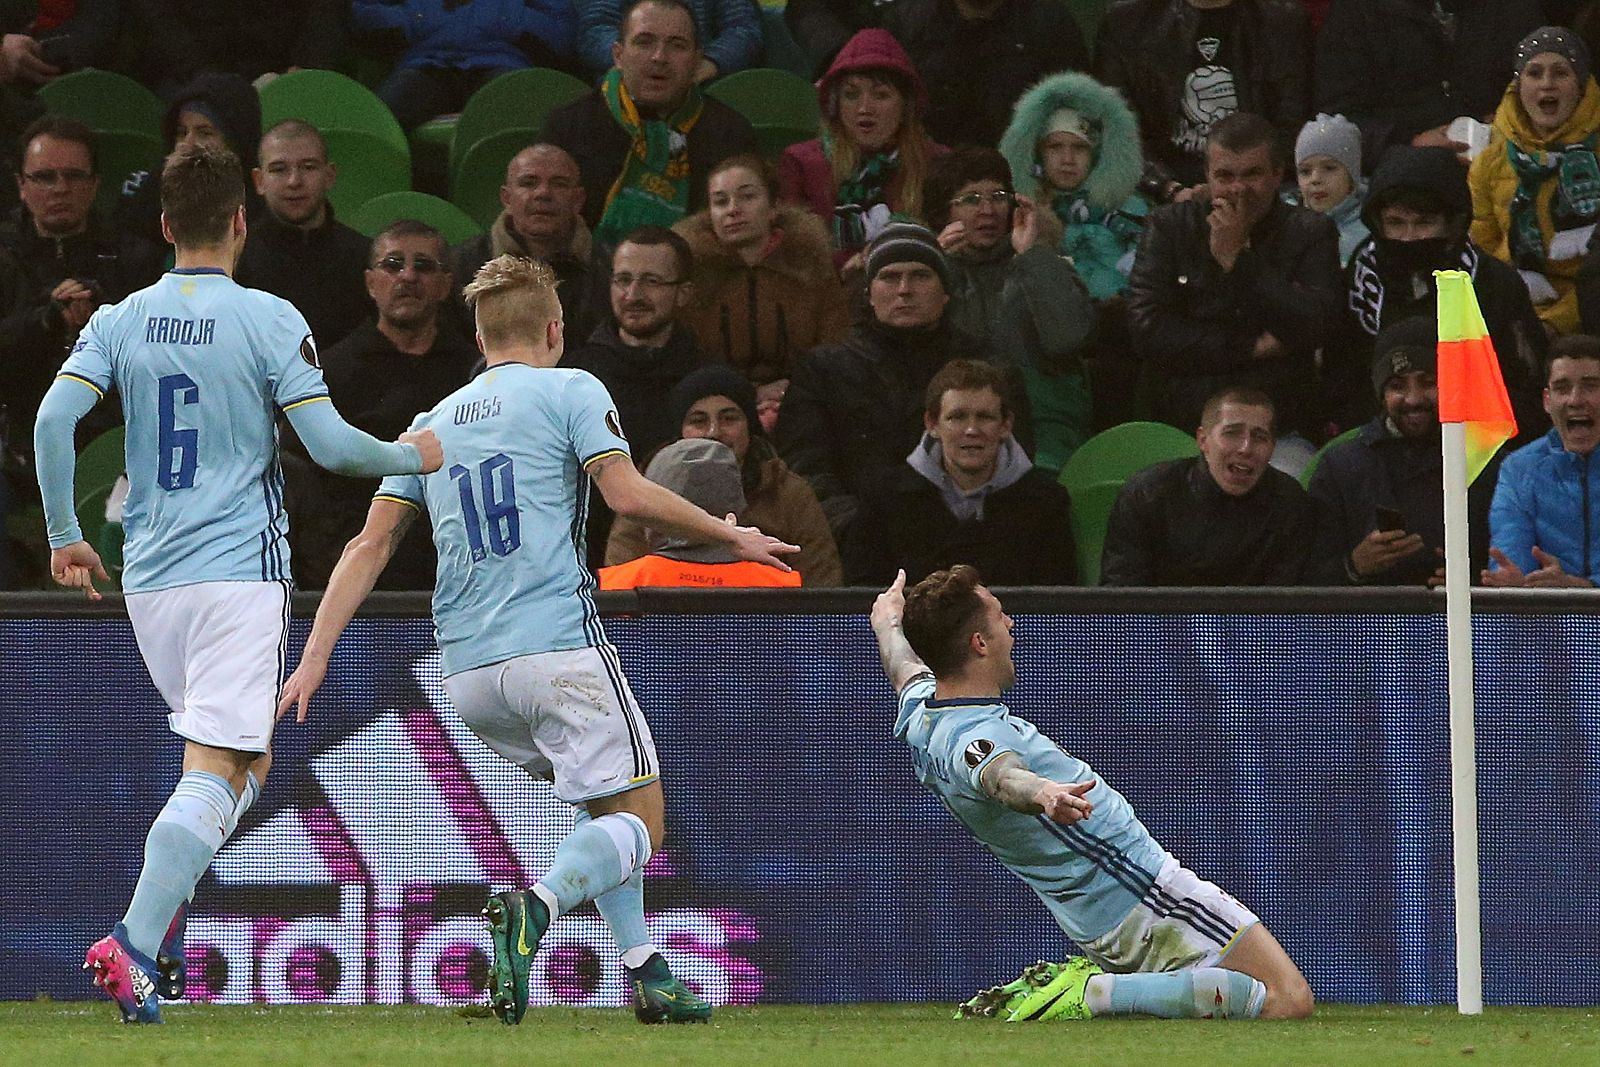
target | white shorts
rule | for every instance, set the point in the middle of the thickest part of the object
(564, 717)
(216, 652)
(1184, 921)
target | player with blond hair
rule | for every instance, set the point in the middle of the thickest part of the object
(526, 662)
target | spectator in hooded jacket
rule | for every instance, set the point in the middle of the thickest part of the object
(730, 35)
(1327, 169)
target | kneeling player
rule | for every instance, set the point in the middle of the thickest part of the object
(1159, 940)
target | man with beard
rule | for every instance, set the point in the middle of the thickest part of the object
(1545, 520)
(1239, 290)
(1418, 210)
(379, 377)
(1382, 494)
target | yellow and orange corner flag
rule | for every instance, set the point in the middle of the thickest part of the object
(1471, 390)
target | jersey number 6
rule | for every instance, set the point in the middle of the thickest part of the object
(179, 449)
(500, 516)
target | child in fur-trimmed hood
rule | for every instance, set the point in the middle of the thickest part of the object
(1073, 144)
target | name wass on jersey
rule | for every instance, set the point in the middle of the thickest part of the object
(509, 508)
(202, 365)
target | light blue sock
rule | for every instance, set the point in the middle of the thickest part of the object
(623, 911)
(177, 851)
(1197, 993)
(597, 857)
(252, 793)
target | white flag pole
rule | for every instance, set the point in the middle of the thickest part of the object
(1463, 739)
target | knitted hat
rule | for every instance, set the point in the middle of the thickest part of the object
(714, 379)
(1333, 136)
(704, 473)
(906, 242)
(1073, 121)
(1563, 42)
(1408, 346)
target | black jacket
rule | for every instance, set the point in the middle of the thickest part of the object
(380, 390)
(821, 27)
(854, 409)
(1146, 48)
(578, 283)
(1024, 537)
(322, 272)
(1197, 325)
(1390, 67)
(179, 38)
(1379, 469)
(591, 136)
(976, 69)
(1173, 526)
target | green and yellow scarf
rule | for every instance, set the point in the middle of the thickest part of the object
(653, 188)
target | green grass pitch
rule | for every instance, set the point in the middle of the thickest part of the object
(46, 1034)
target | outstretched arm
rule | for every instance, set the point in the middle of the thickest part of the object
(900, 663)
(353, 578)
(1008, 780)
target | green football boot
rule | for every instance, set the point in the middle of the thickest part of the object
(658, 997)
(516, 923)
(1060, 998)
(998, 1000)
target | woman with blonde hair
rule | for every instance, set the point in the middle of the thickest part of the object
(869, 164)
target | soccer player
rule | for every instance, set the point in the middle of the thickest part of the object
(1159, 940)
(202, 366)
(526, 663)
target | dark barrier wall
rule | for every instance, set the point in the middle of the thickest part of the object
(1298, 756)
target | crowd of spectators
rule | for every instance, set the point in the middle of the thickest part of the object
(883, 343)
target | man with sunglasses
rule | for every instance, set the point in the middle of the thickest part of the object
(404, 361)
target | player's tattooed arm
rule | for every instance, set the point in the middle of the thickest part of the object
(1008, 780)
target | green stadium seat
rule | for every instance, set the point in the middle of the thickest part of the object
(331, 101)
(368, 166)
(1114, 454)
(476, 189)
(100, 464)
(1311, 468)
(1091, 512)
(781, 105)
(518, 99)
(118, 154)
(103, 100)
(375, 214)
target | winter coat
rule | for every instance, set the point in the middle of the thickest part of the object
(805, 173)
(476, 35)
(975, 69)
(1024, 537)
(1390, 67)
(1549, 497)
(592, 137)
(1381, 469)
(1172, 525)
(730, 32)
(781, 504)
(1494, 183)
(760, 318)
(1198, 325)
(638, 380)
(1146, 48)
(1103, 218)
(322, 272)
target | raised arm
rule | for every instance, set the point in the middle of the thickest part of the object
(1008, 780)
(363, 560)
(343, 449)
(900, 663)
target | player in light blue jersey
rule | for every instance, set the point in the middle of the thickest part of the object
(1158, 939)
(203, 366)
(526, 663)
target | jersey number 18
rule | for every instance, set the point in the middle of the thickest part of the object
(500, 517)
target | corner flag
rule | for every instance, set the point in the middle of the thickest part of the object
(1471, 390)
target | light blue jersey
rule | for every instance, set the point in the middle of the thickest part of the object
(201, 364)
(1090, 875)
(508, 510)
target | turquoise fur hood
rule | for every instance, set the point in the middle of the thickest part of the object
(1119, 161)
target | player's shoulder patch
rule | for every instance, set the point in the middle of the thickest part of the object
(308, 351)
(978, 751)
(614, 424)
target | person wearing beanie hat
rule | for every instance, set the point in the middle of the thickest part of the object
(706, 474)
(718, 403)
(1536, 188)
(1381, 492)
(906, 242)
(869, 164)
(1327, 160)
